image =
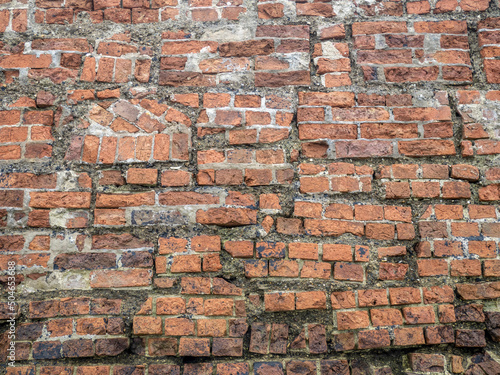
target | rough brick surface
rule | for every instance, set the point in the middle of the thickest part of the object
(247, 187)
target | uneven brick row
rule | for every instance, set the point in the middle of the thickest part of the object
(417, 362)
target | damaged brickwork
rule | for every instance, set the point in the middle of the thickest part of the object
(210, 187)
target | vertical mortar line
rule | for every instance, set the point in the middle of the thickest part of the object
(456, 120)
(356, 73)
(478, 74)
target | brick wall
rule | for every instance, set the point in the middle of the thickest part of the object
(207, 187)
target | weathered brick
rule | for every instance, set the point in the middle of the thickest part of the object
(279, 301)
(194, 347)
(133, 132)
(373, 339)
(120, 279)
(426, 362)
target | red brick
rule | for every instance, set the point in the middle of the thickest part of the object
(211, 263)
(170, 306)
(368, 213)
(307, 209)
(404, 296)
(239, 249)
(226, 216)
(491, 268)
(319, 270)
(393, 271)
(10, 152)
(489, 193)
(433, 229)
(333, 32)
(409, 336)
(289, 226)
(256, 268)
(352, 320)
(175, 198)
(93, 370)
(380, 231)
(194, 347)
(195, 285)
(378, 27)
(125, 200)
(448, 248)
(373, 339)
(466, 267)
(439, 335)
(172, 245)
(372, 297)
(186, 263)
(465, 172)
(279, 301)
(481, 212)
(350, 272)
(120, 278)
(11, 198)
(211, 327)
(426, 362)
(386, 317)
(419, 315)
(432, 267)
(448, 212)
(332, 227)
(465, 229)
(270, 249)
(303, 250)
(310, 300)
(233, 368)
(147, 325)
(391, 251)
(175, 178)
(283, 268)
(59, 199)
(334, 99)
(179, 327)
(437, 294)
(142, 176)
(343, 300)
(456, 190)
(221, 306)
(397, 190)
(339, 211)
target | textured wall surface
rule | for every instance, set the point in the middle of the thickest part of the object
(238, 187)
